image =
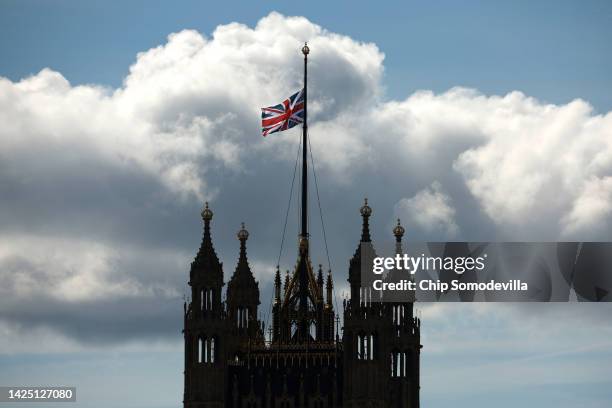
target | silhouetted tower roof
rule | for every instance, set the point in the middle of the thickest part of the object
(242, 288)
(206, 266)
(363, 255)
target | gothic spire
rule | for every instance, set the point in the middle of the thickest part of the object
(243, 270)
(329, 285)
(364, 254)
(243, 289)
(365, 211)
(277, 286)
(206, 258)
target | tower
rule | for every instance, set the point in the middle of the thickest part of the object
(243, 295)
(403, 342)
(205, 328)
(305, 362)
(381, 341)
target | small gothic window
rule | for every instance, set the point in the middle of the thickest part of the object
(399, 364)
(212, 350)
(398, 314)
(242, 317)
(206, 350)
(365, 346)
(365, 296)
(202, 299)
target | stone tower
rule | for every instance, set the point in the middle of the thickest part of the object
(206, 330)
(381, 341)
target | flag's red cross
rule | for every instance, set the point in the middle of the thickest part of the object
(283, 116)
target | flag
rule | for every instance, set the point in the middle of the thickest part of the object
(283, 116)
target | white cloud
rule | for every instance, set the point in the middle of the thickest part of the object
(593, 205)
(537, 159)
(528, 164)
(186, 106)
(430, 209)
(190, 106)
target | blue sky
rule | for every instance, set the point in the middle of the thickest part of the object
(553, 50)
(101, 185)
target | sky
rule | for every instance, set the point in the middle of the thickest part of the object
(472, 121)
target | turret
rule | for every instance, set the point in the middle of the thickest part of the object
(243, 291)
(204, 330)
(206, 274)
(362, 258)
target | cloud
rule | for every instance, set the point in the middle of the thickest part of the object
(593, 205)
(539, 160)
(101, 188)
(431, 210)
(525, 164)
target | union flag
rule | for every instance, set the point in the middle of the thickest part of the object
(283, 116)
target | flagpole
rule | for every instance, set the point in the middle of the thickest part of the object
(304, 234)
(303, 251)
